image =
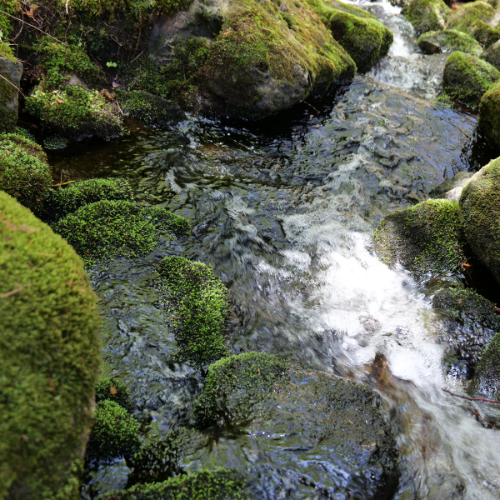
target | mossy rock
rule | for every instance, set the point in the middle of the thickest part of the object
(427, 15)
(326, 9)
(466, 78)
(10, 72)
(58, 203)
(115, 432)
(112, 389)
(487, 377)
(476, 19)
(451, 189)
(489, 115)
(24, 172)
(425, 238)
(110, 229)
(49, 358)
(148, 108)
(220, 484)
(365, 40)
(234, 385)
(199, 304)
(480, 208)
(492, 54)
(434, 42)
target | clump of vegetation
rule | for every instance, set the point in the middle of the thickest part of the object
(49, 360)
(466, 78)
(115, 432)
(433, 42)
(199, 305)
(24, 172)
(58, 203)
(424, 238)
(112, 389)
(235, 384)
(220, 484)
(426, 15)
(168, 221)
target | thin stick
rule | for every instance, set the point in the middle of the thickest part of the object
(20, 31)
(135, 59)
(10, 83)
(123, 114)
(482, 418)
(30, 25)
(470, 399)
(62, 183)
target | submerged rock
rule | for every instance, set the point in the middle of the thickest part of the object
(451, 189)
(426, 15)
(480, 208)
(49, 358)
(10, 71)
(434, 42)
(466, 78)
(478, 19)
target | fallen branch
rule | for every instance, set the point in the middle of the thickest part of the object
(470, 399)
(62, 184)
(30, 25)
(10, 83)
(482, 418)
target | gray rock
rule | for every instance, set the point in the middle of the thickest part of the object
(11, 71)
(451, 189)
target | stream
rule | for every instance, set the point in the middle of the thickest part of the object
(285, 211)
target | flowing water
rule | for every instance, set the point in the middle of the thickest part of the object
(285, 212)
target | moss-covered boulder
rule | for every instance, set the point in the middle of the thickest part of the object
(110, 229)
(451, 189)
(198, 301)
(424, 238)
(480, 208)
(478, 19)
(49, 358)
(234, 385)
(489, 115)
(112, 389)
(466, 78)
(365, 40)
(24, 171)
(426, 15)
(492, 54)
(58, 203)
(326, 9)
(434, 42)
(10, 79)
(115, 432)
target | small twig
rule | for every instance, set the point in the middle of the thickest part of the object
(470, 399)
(20, 31)
(118, 104)
(62, 183)
(482, 418)
(135, 59)
(30, 25)
(12, 292)
(10, 83)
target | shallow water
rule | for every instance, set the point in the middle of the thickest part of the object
(285, 212)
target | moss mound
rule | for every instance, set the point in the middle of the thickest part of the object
(49, 357)
(235, 384)
(424, 238)
(115, 432)
(480, 208)
(112, 389)
(466, 78)
(426, 15)
(365, 40)
(114, 228)
(24, 172)
(474, 18)
(220, 484)
(434, 42)
(198, 299)
(489, 115)
(166, 221)
(60, 202)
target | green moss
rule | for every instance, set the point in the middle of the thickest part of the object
(163, 219)
(115, 432)
(480, 208)
(112, 389)
(488, 370)
(220, 484)
(426, 15)
(49, 358)
(25, 133)
(162, 459)
(199, 305)
(424, 238)
(473, 18)
(365, 40)
(24, 172)
(489, 115)
(492, 54)
(6, 50)
(433, 42)
(235, 384)
(324, 10)
(464, 301)
(466, 78)
(58, 203)
(153, 110)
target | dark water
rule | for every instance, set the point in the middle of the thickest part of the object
(285, 210)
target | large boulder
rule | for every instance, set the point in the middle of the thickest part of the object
(49, 358)
(492, 54)
(489, 115)
(466, 78)
(480, 208)
(259, 57)
(434, 42)
(11, 71)
(478, 19)
(426, 15)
